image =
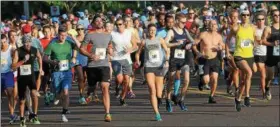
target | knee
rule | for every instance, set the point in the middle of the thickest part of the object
(186, 82)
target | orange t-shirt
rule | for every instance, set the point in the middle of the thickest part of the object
(45, 42)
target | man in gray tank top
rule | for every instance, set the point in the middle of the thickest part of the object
(98, 64)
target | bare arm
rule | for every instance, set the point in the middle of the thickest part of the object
(15, 60)
(231, 34)
(168, 38)
(196, 42)
(137, 55)
(265, 35)
(167, 51)
(39, 58)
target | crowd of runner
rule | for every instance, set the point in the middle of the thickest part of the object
(43, 56)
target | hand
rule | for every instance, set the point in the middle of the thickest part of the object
(136, 65)
(41, 72)
(74, 60)
(128, 50)
(199, 55)
(26, 57)
(94, 57)
(188, 46)
(180, 42)
(228, 56)
(276, 43)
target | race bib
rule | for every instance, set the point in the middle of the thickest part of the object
(3, 62)
(25, 69)
(276, 51)
(154, 56)
(101, 52)
(246, 43)
(63, 65)
(179, 53)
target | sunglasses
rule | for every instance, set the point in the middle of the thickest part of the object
(246, 15)
(260, 19)
(78, 29)
(191, 13)
(183, 22)
(275, 15)
(119, 24)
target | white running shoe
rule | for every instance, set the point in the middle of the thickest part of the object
(64, 118)
(56, 101)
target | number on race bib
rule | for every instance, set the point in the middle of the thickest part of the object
(154, 56)
(246, 43)
(3, 62)
(25, 69)
(101, 52)
(276, 50)
(179, 53)
(63, 65)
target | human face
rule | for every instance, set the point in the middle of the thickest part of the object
(136, 23)
(182, 22)
(120, 25)
(234, 17)
(260, 20)
(4, 42)
(152, 31)
(276, 16)
(47, 33)
(213, 25)
(68, 25)
(191, 14)
(162, 20)
(245, 17)
(98, 23)
(108, 27)
(128, 22)
(80, 29)
(27, 45)
(62, 36)
(170, 23)
(13, 37)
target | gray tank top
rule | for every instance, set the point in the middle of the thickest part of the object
(153, 53)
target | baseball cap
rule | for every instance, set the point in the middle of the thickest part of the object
(23, 17)
(55, 19)
(26, 38)
(128, 11)
(26, 29)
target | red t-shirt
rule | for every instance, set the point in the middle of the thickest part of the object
(188, 25)
(45, 42)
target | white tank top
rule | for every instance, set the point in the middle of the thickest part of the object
(259, 50)
(120, 43)
(6, 60)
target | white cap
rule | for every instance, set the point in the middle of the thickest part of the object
(135, 15)
(149, 8)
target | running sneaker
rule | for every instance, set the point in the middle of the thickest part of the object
(131, 95)
(159, 102)
(35, 120)
(211, 100)
(38, 94)
(200, 86)
(95, 98)
(51, 97)
(174, 99)
(56, 101)
(23, 123)
(168, 105)
(207, 87)
(13, 119)
(82, 101)
(158, 117)
(108, 117)
(268, 94)
(247, 102)
(182, 106)
(237, 105)
(144, 82)
(122, 102)
(64, 118)
(47, 99)
(89, 99)
(229, 91)
(275, 81)
(117, 94)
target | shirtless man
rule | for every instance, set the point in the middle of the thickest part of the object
(211, 43)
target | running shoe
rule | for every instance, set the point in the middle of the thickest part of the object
(268, 95)
(23, 123)
(200, 86)
(117, 94)
(211, 100)
(51, 97)
(237, 105)
(38, 94)
(89, 99)
(174, 99)
(95, 98)
(82, 101)
(168, 105)
(158, 117)
(247, 102)
(144, 82)
(131, 95)
(47, 99)
(159, 102)
(108, 117)
(56, 101)
(182, 106)
(35, 120)
(122, 102)
(275, 81)
(229, 90)
(207, 87)
(13, 119)
(64, 118)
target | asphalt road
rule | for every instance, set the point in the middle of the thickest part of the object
(139, 111)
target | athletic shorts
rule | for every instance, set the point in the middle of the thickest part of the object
(158, 71)
(272, 61)
(237, 59)
(209, 65)
(176, 66)
(7, 80)
(23, 83)
(122, 67)
(46, 68)
(61, 80)
(260, 59)
(36, 74)
(98, 74)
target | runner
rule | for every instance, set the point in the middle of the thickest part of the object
(7, 76)
(211, 42)
(59, 54)
(154, 66)
(179, 41)
(260, 50)
(271, 38)
(26, 77)
(243, 56)
(123, 46)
